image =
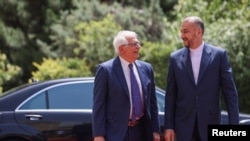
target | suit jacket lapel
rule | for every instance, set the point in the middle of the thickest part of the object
(205, 59)
(118, 69)
(187, 63)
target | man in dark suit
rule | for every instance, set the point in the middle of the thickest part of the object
(197, 74)
(113, 104)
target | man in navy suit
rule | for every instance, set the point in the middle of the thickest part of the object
(197, 74)
(112, 102)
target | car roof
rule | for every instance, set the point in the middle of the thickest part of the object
(48, 82)
(30, 88)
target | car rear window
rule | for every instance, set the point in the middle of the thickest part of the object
(65, 96)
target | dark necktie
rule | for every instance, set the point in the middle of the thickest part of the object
(136, 97)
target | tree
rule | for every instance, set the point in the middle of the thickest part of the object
(7, 72)
(22, 24)
(60, 68)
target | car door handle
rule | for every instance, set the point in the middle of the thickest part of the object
(33, 116)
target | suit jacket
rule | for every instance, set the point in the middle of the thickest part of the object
(111, 102)
(185, 99)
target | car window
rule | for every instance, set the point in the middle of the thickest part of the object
(160, 100)
(73, 96)
(67, 96)
(38, 102)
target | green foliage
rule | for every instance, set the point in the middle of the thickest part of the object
(81, 32)
(14, 38)
(212, 10)
(91, 40)
(7, 71)
(21, 24)
(64, 37)
(147, 22)
(158, 55)
(236, 39)
(60, 68)
(95, 40)
(88, 31)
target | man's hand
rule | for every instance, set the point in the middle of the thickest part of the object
(99, 138)
(169, 135)
(156, 136)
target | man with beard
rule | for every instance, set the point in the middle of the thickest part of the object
(198, 73)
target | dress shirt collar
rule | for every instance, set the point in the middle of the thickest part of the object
(124, 62)
(198, 50)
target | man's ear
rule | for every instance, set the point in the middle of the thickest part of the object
(199, 31)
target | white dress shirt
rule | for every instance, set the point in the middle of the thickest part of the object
(195, 55)
(126, 71)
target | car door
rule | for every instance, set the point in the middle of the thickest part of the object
(60, 112)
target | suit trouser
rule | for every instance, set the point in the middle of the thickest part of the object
(135, 133)
(196, 134)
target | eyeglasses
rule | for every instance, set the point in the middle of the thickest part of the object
(134, 44)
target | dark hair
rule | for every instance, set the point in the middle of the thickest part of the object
(196, 20)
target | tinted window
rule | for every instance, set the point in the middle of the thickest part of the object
(37, 102)
(67, 96)
(72, 96)
(160, 100)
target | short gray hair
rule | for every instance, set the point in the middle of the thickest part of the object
(121, 39)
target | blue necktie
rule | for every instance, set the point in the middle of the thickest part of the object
(136, 97)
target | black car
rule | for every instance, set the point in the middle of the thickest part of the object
(57, 110)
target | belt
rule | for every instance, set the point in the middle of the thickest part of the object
(133, 123)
